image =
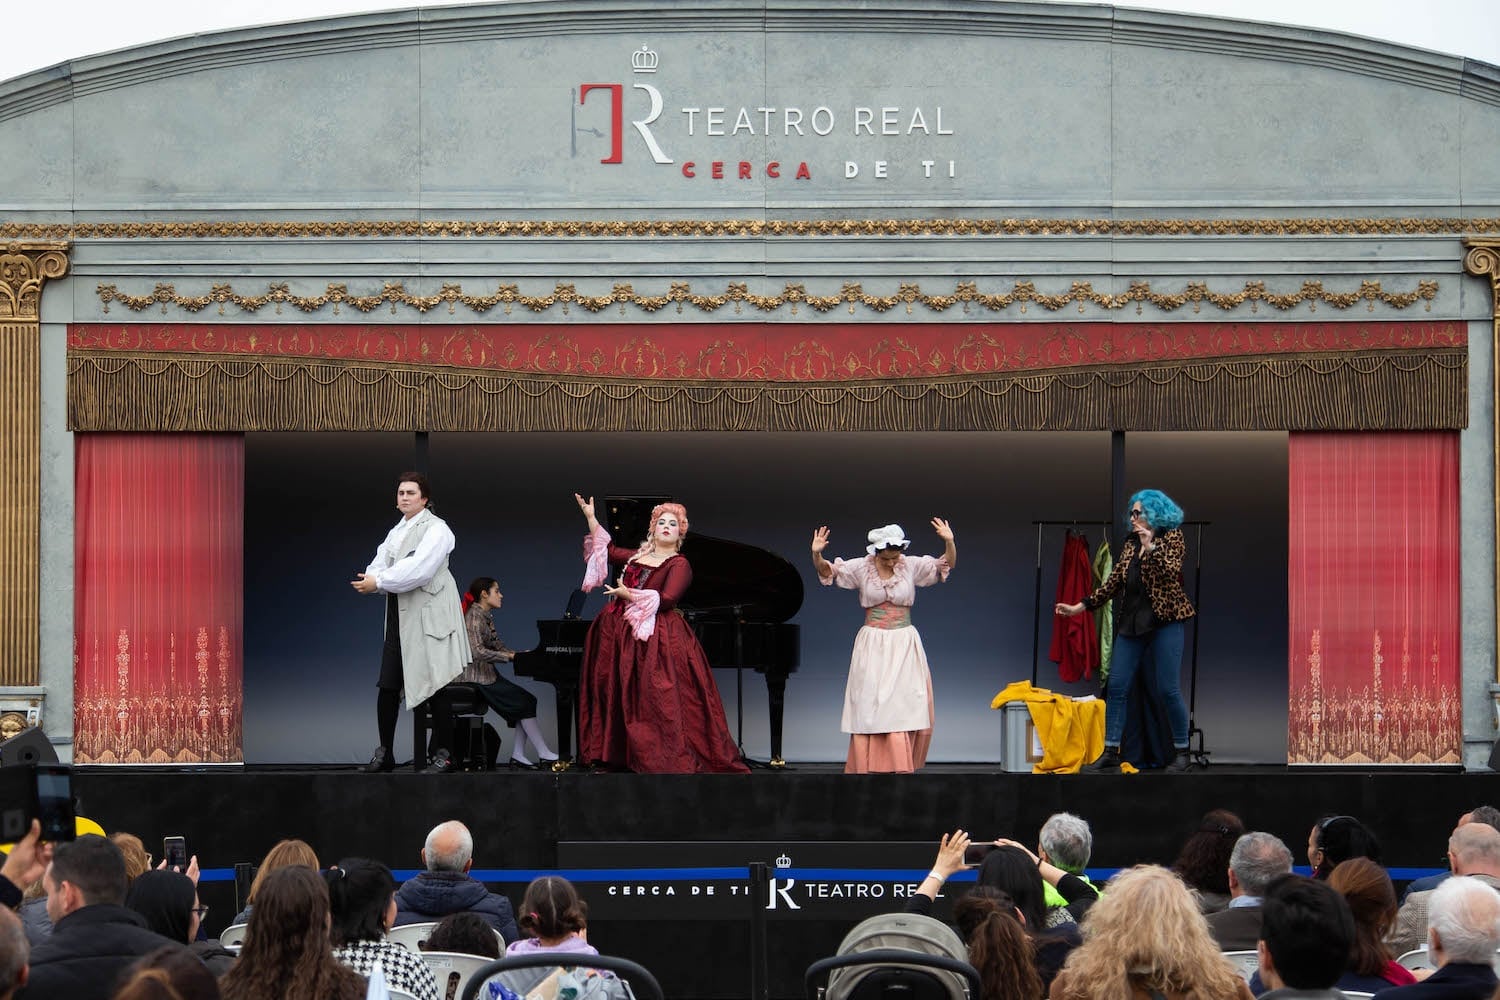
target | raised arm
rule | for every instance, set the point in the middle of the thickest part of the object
(587, 507)
(819, 543)
(945, 532)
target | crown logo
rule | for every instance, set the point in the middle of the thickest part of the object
(783, 862)
(644, 61)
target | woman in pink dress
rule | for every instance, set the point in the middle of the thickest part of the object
(888, 711)
(647, 700)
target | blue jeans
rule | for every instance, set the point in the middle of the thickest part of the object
(1165, 646)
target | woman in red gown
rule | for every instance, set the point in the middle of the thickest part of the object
(647, 700)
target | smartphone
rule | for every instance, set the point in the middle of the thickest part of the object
(174, 851)
(976, 853)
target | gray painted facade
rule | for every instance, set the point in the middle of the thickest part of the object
(1156, 124)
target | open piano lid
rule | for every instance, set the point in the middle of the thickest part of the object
(726, 574)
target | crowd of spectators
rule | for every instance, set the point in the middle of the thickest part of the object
(93, 919)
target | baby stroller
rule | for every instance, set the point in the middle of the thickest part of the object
(896, 955)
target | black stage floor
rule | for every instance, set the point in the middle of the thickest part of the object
(665, 860)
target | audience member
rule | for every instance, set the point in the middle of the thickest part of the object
(1256, 859)
(1473, 850)
(137, 858)
(286, 954)
(362, 899)
(93, 935)
(1066, 842)
(464, 933)
(14, 950)
(1371, 896)
(1488, 815)
(168, 902)
(1463, 935)
(446, 886)
(286, 852)
(555, 921)
(1338, 838)
(1203, 863)
(1306, 936)
(1013, 870)
(990, 925)
(1145, 938)
(168, 974)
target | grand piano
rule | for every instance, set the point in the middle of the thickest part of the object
(738, 605)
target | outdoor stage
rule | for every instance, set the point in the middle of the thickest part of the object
(664, 860)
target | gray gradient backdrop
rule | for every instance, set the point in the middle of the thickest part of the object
(317, 505)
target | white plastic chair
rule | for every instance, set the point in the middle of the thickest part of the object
(1246, 963)
(233, 936)
(411, 936)
(395, 994)
(452, 970)
(1357, 994)
(1415, 959)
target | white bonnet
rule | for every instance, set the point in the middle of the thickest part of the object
(887, 537)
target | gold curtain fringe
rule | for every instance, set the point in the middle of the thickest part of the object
(741, 228)
(793, 295)
(1424, 390)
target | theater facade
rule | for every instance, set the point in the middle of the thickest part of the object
(741, 222)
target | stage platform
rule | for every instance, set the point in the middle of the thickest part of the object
(664, 861)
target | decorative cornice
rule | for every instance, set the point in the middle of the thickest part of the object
(24, 268)
(743, 228)
(966, 295)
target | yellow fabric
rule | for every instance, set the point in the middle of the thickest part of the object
(1071, 732)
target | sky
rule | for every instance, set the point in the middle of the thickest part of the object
(46, 33)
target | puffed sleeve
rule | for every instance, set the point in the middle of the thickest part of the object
(927, 570)
(849, 574)
(417, 568)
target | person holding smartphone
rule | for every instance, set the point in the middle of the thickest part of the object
(426, 644)
(1154, 608)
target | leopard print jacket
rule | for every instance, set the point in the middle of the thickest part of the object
(1161, 572)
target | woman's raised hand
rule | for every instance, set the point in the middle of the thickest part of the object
(820, 540)
(943, 530)
(586, 506)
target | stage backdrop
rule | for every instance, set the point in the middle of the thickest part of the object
(158, 600)
(1374, 603)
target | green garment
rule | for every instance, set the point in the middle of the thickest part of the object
(1054, 898)
(1104, 615)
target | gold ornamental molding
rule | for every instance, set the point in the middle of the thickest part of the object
(1482, 258)
(741, 228)
(25, 267)
(966, 295)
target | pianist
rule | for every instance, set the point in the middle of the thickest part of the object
(512, 702)
(426, 645)
(647, 697)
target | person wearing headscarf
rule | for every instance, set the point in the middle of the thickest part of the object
(888, 708)
(168, 902)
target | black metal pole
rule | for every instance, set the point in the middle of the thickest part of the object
(1116, 482)
(760, 898)
(1036, 611)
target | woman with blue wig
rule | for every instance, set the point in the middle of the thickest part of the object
(1153, 608)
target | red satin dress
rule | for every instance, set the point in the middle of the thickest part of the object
(651, 706)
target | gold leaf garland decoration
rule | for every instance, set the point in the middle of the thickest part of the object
(793, 295)
(742, 228)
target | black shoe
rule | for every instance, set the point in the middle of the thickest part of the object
(1181, 763)
(1108, 763)
(380, 761)
(521, 765)
(442, 763)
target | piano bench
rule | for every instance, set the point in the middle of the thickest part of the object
(466, 709)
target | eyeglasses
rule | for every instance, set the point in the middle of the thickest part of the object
(1137, 512)
(202, 911)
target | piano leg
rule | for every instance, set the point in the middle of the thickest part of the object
(776, 691)
(567, 724)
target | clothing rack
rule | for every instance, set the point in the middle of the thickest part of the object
(1199, 754)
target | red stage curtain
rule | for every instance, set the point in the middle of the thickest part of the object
(1374, 599)
(158, 598)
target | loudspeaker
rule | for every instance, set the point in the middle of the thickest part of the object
(29, 746)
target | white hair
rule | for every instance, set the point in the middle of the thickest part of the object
(1464, 914)
(1067, 840)
(459, 844)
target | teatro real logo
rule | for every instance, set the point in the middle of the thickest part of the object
(642, 61)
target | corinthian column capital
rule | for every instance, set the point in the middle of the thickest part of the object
(24, 267)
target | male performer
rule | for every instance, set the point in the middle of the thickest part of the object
(426, 646)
